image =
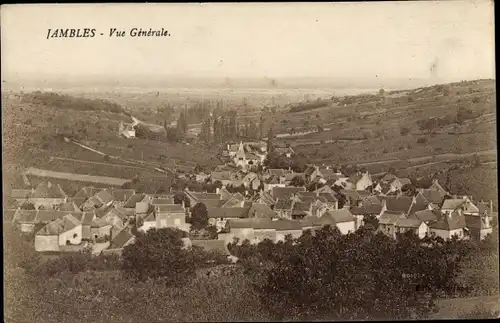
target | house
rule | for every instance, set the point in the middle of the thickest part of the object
(284, 227)
(284, 207)
(195, 197)
(48, 195)
(160, 201)
(25, 220)
(463, 203)
(300, 210)
(361, 211)
(285, 192)
(120, 241)
(479, 226)
(364, 182)
(84, 194)
(271, 182)
(415, 225)
(261, 210)
(171, 216)
(451, 224)
(387, 222)
(310, 223)
(265, 198)
(20, 195)
(126, 130)
(225, 177)
(146, 222)
(47, 216)
(290, 176)
(427, 216)
(311, 173)
(342, 219)
(60, 232)
(331, 201)
(134, 199)
(398, 183)
(397, 203)
(121, 196)
(240, 159)
(286, 151)
(68, 207)
(100, 199)
(218, 216)
(86, 219)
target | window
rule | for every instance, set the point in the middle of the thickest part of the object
(75, 235)
(163, 223)
(177, 221)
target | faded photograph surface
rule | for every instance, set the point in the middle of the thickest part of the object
(249, 162)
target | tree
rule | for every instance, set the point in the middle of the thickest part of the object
(159, 253)
(409, 190)
(270, 140)
(180, 197)
(299, 162)
(199, 216)
(404, 131)
(298, 181)
(27, 206)
(205, 133)
(371, 221)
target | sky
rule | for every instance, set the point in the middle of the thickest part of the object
(442, 40)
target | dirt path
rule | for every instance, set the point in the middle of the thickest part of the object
(95, 163)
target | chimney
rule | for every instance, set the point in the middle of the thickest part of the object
(491, 208)
(49, 184)
(217, 190)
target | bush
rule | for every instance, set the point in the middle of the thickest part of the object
(404, 131)
(422, 140)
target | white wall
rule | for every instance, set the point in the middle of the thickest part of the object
(46, 243)
(345, 227)
(445, 234)
(422, 230)
(147, 225)
(280, 235)
(243, 233)
(70, 235)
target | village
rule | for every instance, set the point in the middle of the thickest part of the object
(251, 202)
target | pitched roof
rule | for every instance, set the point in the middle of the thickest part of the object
(221, 176)
(398, 204)
(277, 171)
(404, 181)
(309, 170)
(372, 199)
(284, 225)
(408, 222)
(484, 207)
(283, 204)
(306, 194)
(255, 223)
(126, 212)
(329, 197)
(48, 190)
(452, 204)
(234, 212)
(370, 209)
(450, 222)
(290, 176)
(419, 205)
(136, 198)
(224, 194)
(59, 226)
(336, 216)
(212, 245)
(120, 239)
(122, 195)
(286, 192)
(20, 194)
(205, 196)
(260, 210)
(104, 196)
(46, 216)
(68, 207)
(87, 218)
(433, 196)
(476, 222)
(309, 221)
(25, 216)
(102, 211)
(388, 177)
(170, 208)
(267, 198)
(390, 217)
(156, 201)
(300, 208)
(428, 215)
(216, 202)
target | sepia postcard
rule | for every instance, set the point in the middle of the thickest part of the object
(231, 162)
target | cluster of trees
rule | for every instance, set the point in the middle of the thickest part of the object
(321, 275)
(225, 127)
(329, 276)
(63, 101)
(298, 162)
(304, 106)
